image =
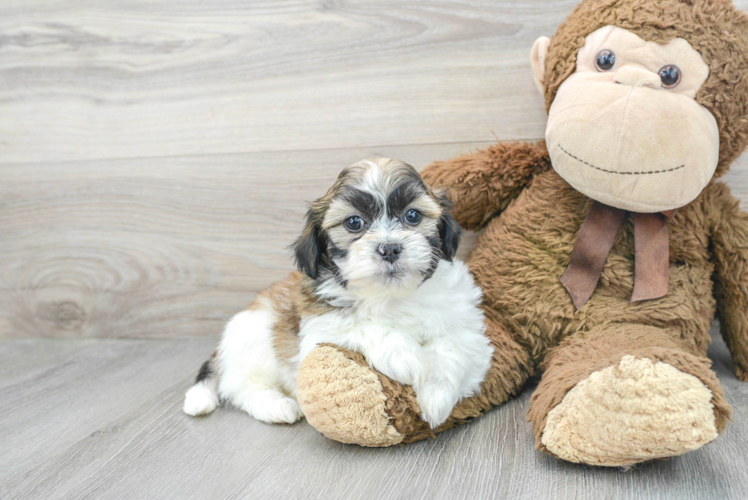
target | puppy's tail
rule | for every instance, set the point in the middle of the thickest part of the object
(202, 398)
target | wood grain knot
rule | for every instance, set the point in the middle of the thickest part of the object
(66, 315)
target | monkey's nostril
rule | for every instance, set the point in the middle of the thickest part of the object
(390, 251)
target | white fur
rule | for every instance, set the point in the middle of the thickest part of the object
(366, 272)
(432, 339)
(201, 399)
(251, 376)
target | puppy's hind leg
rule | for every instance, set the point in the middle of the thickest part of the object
(253, 376)
(202, 398)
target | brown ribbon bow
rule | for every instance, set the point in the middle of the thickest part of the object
(591, 249)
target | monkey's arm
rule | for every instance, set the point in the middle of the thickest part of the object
(730, 243)
(481, 184)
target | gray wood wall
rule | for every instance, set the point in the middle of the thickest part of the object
(156, 158)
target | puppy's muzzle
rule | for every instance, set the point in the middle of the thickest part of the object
(390, 251)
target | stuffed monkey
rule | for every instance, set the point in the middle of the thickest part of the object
(607, 249)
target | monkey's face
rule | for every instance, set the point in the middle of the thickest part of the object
(625, 128)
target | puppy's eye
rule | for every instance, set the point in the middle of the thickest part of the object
(605, 60)
(413, 217)
(354, 223)
(670, 76)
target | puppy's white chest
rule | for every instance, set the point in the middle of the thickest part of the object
(404, 327)
(360, 330)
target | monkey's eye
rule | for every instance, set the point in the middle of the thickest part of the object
(354, 223)
(413, 217)
(605, 60)
(670, 76)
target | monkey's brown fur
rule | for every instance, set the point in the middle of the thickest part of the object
(531, 218)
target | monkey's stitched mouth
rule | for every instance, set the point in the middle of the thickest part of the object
(619, 173)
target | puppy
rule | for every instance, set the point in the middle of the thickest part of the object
(376, 276)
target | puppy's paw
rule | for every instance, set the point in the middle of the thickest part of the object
(285, 411)
(436, 402)
(272, 407)
(199, 400)
(403, 365)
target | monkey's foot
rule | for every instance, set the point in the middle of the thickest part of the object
(631, 412)
(344, 399)
(347, 401)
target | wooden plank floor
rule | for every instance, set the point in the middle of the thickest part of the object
(167, 247)
(101, 418)
(156, 158)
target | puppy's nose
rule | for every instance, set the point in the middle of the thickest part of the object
(390, 251)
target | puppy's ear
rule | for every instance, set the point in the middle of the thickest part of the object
(450, 231)
(310, 248)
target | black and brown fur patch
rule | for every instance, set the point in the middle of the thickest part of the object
(207, 370)
(400, 188)
(290, 300)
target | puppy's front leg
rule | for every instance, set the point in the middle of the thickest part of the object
(437, 395)
(399, 358)
(458, 371)
(396, 356)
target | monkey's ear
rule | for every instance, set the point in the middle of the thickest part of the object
(310, 248)
(450, 231)
(537, 59)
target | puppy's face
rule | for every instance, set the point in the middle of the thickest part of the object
(378, 230)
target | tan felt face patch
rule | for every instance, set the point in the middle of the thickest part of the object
(617, 135)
